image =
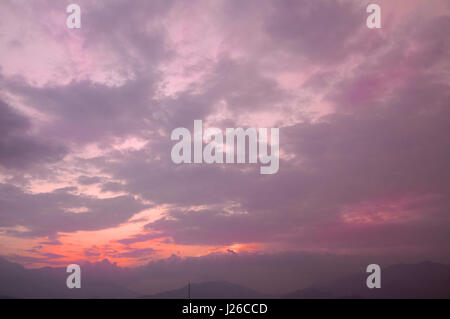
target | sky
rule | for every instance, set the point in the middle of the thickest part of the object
(86, 117)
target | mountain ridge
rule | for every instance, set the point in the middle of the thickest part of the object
(419, 280)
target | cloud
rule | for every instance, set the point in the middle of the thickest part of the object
(206, 227)
(139, 238)
(19, 149)
(46, 214)
(316, 30)
(383, 144)
(136, 253)
(363, 117)
(89, 180)
(85, 112)
(112, 187)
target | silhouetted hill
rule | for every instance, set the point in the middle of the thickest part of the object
(422, 280)
(106, 280)
(308, 293)
(19, 282)
(211, 290)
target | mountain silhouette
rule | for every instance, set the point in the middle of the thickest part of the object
(308, 293)
(211, 290)
(19, 282)
(106, 280)
(403, 281)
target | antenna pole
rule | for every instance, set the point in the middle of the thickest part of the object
(189, 290)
